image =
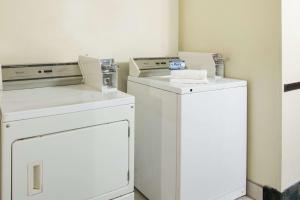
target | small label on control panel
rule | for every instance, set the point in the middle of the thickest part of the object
(177, 64)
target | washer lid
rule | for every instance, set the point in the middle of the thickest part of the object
(163, 82)
(40, 102)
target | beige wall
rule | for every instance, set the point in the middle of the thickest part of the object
(39, 31)
(248, 33)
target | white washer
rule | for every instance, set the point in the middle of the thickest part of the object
(66, 143)
(190, 139)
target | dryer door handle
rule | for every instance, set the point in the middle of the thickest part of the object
(35, 178)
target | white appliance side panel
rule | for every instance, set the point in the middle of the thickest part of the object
(155, 141)
(213, 144)
(126, 197)
(81, 164)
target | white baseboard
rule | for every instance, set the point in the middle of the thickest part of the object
(254, 190)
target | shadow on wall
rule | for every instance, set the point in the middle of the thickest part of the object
(122, 76)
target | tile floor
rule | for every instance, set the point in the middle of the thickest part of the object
(138, 196)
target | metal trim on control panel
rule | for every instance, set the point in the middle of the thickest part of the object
(54, 77)
(39, 65)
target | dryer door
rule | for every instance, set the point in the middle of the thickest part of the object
(74, 165)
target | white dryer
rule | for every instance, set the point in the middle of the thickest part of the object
(66, 142)
(190, 138)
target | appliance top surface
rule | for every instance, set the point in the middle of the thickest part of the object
(40, 102)
(163, 82)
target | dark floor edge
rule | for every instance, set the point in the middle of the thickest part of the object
(292, 193)
(140, 193)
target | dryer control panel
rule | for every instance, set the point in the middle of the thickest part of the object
(40, 75)
(155, 66)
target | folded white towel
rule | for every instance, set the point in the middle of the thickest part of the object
(189, 74)
(189, 81)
